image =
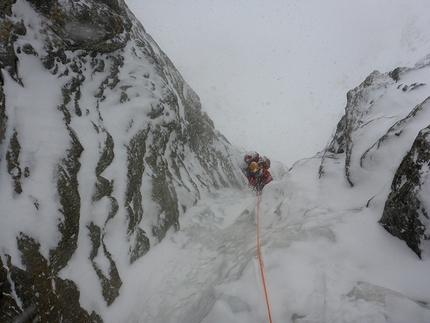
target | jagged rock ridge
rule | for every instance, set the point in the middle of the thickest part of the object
(101, 141)
(392, 143)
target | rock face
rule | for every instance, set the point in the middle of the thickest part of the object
(384, 117)
(406, 212)
(103, 148)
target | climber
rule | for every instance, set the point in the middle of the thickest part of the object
(257, 176)
(255, 157)
(256, 171)
(251, 157)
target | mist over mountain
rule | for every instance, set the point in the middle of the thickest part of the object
(273, 75)
(120, 201)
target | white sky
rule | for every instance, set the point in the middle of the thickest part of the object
(273, 74)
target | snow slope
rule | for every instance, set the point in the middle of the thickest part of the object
(326, 258)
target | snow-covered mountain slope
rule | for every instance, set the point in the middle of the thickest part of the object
(326, 256)
(325, 261)
(121, 203)
(379, 135)
(103, 148)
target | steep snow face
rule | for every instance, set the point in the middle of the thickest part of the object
(103, 148)
(326, 257)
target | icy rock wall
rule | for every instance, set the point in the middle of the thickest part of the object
(103, 147)
(406, 211)
(383, 135)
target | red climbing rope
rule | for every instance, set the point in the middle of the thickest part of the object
(259, 256)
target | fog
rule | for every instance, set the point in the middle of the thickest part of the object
(273, 74)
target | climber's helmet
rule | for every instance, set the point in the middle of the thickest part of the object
(253, 166)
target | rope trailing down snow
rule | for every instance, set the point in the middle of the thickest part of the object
(259, 255)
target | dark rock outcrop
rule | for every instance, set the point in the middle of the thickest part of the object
(406, 214)
(45, 297)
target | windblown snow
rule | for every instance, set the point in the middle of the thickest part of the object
(326, 258)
